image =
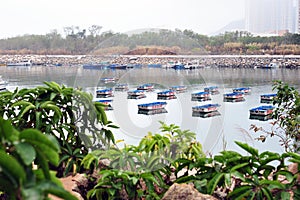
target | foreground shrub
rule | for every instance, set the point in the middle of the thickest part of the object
(143, 171)
(68, 114)
(232, 175)
(19, 151)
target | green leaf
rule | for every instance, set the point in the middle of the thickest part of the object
(246, 147)
(36, 137)
(26, 152)
(238, 167)
(8, 131)
(285, 195)
(212, 184)
(267, 193)
(12, 167)
(240, 192)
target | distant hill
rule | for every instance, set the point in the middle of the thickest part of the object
(232, 26)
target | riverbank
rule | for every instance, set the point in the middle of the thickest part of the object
(238, 61)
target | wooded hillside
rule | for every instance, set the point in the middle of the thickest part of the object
(160, 41)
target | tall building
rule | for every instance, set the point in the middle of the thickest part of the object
(271, 16)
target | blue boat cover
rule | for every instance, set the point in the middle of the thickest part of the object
(207, 106)
(153, 103)
(262, 108)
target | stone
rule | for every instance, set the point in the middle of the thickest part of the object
(185, 191)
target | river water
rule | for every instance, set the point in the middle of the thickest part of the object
(215, 133)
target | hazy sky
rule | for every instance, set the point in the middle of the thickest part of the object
(20, 17)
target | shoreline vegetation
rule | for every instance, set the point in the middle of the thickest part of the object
(232, 61)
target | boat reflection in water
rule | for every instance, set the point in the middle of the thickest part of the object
(260, 117)
(205, 115)
(201, 99)
(234, 100)
(166, 97)
(152, 112)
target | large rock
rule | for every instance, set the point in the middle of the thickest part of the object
(185, 191)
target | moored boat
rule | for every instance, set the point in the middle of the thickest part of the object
(166, 93)
(136, 94)
(147, 87)
(245, 90)
(206, 108)
(179, 88)
(121, 87)
(117, 66)
(234, 95)
(267, 97)
(152, 106)
(95, 66)
(262, 110)
(212, 90)
(108, 92)
(25, 63)
(200, 95)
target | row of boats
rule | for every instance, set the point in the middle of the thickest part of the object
(206, 110)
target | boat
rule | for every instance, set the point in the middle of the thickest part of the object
(121, 87)
(205, 115)
(104, 93)
(200, 95)
(133, 65)
(117, 66)
(267, 98)
(152, 112)
(108, 79)
(245, 90)
(234, 95)
(179, 88)
(147, 87)
(107, 103)
(152, 106)
(262, 110)
(136, 94)
(212, 90)
(166, 93)
(25, 63)
(179, 66)
(206, 108)
(271, 65)
(168, 65)
(95, 66)
(166, 97)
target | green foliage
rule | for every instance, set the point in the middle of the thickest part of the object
(143, 171)
(67, 114)
(78, 41)
(19, 151)
(254, 176)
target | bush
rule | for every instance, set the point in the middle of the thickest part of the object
(24, 168)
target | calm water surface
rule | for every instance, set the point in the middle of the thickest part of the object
(215, 133)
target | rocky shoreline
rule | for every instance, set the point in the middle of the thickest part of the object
(238, 61)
